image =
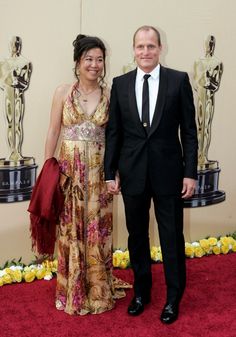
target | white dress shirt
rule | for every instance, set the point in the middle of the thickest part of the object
(153, 83)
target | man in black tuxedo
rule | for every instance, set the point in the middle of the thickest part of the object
(151, 153)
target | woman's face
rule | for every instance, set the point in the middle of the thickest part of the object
(91, 65)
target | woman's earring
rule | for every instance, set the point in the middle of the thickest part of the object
(77, 72)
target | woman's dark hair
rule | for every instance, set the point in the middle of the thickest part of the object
(83, 43)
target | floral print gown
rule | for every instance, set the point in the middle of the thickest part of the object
(84, 281)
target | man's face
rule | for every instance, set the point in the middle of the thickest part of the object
(146, 50)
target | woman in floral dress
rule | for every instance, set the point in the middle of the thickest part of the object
(79, 115)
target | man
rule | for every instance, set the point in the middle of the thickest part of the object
(145, 157)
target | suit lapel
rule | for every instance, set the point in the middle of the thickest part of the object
(160, 100)
(132, 101)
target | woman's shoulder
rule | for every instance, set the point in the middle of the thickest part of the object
(64, 90)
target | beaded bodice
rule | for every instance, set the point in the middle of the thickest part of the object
(77, 125)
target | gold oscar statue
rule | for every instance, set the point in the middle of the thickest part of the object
(207, 76)
(15, 73)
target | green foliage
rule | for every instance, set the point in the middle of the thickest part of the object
(13, 262)
(234, 235)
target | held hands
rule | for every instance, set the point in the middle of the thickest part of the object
(113, 186)
(188, 189)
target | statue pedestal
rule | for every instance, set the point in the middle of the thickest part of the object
(207, 192)
(17, 180)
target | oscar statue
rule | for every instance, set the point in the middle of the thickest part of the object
(207, 76)
(17, 172)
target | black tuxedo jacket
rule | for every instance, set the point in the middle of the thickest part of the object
(169, 152)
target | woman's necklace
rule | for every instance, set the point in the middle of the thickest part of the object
(84, 94)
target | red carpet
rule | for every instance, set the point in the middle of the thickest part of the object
(208, 308)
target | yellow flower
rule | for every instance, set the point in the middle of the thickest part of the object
(48, 276)
(116, 260)
(212, 241)
(216, 250)
(52, 265)
(189, 251)
(121, 259)
(29, 276)
(204, 243)
(126, 255)
(27, 269)
(1, 282)
(8, 271)
(154, 253)
(198, 251)
(17, 276)
(205, 246)
(231, 240)
(40, 273)
(118, 256)
(7, 279)
(224, 249)
(234, 247)
(123, 264)
(118, 253)
(225, 240)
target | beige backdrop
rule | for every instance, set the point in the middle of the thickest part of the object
(47, 29)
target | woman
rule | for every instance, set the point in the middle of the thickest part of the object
(80, 113)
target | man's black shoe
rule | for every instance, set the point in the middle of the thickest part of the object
(136, 306)
(170, 313)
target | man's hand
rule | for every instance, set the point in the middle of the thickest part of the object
(113, 186)
(188, 189)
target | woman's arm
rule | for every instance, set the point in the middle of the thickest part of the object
(55, 121)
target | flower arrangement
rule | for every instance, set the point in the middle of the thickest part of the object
(208, 246)
(16, 272)
(223, 245)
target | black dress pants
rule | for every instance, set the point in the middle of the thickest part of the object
(169, 216)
